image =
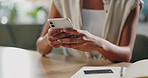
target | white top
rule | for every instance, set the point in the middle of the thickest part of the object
(93, 22)
(114, 23)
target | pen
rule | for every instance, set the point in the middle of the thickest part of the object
(121, 72)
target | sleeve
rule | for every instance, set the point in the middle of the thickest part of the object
(137, 3)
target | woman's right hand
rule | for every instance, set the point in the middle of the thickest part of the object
(50, 38)
(52, 41)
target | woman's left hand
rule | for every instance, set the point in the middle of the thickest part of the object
(81, 40)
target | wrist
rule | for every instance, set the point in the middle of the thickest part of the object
(43, 45)
(100, 42)
(103, 44)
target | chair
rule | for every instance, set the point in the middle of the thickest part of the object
(140, 50)
(6, 37)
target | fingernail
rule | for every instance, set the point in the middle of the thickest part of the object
(64, 30)
(59, 40)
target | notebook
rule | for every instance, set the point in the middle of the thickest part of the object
(138, 69)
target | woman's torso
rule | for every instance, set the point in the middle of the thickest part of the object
(93, 17)
(93, 22)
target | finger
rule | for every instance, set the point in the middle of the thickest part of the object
(62, 35)
(75, 46)
(72, 31)
(56, 46)
(50, 38)
(53, 32)
(53, 42)
(71, 40)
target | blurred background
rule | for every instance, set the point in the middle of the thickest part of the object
(21, 23)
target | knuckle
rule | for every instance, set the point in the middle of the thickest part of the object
(76, 31)
(50, 31)
(50, 38)
(85, 38)
(85, 32)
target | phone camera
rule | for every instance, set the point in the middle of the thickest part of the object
(52, 26)
(51, 22)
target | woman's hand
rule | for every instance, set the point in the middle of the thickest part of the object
(52, 37)
(51, 40)
(76, 39)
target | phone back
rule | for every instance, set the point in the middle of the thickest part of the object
(60, 23)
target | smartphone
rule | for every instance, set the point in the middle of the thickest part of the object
(60, 23)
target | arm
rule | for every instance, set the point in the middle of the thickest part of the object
(123, 52)
(43, 43)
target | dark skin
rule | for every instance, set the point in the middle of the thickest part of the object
(88, 42)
